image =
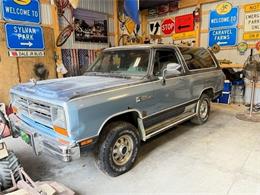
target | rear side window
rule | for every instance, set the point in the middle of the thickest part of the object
(197, 58)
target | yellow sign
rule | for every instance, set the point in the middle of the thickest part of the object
(252, 7)
(251, 36)
(130, 25)
(185, 35)
(22, 2)
(224, 8)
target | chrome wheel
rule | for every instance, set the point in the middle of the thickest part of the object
(204, 109)
(122, 150)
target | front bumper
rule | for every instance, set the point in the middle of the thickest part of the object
(42, 143)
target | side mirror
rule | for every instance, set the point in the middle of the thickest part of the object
(172, 69)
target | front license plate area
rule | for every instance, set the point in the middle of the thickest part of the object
(26, 138)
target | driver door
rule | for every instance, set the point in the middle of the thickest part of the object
(172, 95)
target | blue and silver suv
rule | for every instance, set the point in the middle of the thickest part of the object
(128, 95)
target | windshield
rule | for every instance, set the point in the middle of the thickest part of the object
(124, 62)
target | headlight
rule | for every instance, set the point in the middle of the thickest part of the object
(58, 117)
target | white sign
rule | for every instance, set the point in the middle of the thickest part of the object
(26, 53)
(252, 22)
(155, 27)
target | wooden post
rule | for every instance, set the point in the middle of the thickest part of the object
(144, 15)
(198, 28)
(116, 22)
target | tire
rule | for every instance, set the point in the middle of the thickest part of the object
(118, 148)
(202, 109)
(8, 165)
(64, 35)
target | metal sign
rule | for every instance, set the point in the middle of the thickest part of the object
(185, 35)
(252, 22)
(24, 37)
(22, 10)
(224, 8)
(224, 20)
(251, 36)
(252, 7)
(26, 53)
(154, 28)
(167, 26)
(223, 37)
(184, 23)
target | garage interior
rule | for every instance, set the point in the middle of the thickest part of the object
(48, 42)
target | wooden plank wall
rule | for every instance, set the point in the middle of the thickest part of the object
(14, 70)
(9, 74)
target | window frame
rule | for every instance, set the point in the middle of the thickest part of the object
(199, 69)
(178, 56)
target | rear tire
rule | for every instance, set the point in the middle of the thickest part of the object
(202, 109)
(118, 148)
(7, 165)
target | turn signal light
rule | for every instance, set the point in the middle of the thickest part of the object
(14, 109)
(60, 130)
(86, 142)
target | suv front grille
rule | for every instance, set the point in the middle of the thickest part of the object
(36, 110)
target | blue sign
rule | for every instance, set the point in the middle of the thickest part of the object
(22, 10)
(24, 37)
(223, 37)
(226, 20)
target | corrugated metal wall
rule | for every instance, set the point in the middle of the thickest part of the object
(102, 6)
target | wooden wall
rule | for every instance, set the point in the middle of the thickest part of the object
(14, 70)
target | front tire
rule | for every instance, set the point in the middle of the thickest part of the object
(118, 148)
(202, 109)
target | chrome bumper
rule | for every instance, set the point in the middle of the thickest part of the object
(44, 143)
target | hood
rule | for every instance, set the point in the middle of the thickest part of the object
(68, 88)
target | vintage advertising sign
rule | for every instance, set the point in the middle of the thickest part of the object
(167, 26)
(223, 20)
(252, 7)
(251, 36)
(223, 37)
(184, 23)
(26, 53)
(154, 27)
(185, 35)
(257, 46)
(224, 8)
(22, 10)
(252, 22)
(24, 37)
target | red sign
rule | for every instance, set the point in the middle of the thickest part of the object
(184, 23)
(257, 46)
(167, 26)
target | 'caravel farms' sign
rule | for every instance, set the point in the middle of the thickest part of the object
(24, 37)
(223, 37)
(22, 10)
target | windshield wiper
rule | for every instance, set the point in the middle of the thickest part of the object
(107, 74)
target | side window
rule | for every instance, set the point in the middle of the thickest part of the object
(197, 58)
(162, 58)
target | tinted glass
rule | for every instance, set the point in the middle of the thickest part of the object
(129, 62)
(162, 58)
(197, 58)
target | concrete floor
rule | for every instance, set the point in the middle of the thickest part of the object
(220, 157)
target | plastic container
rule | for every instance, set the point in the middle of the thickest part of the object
(224, 98)
(227, 86)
